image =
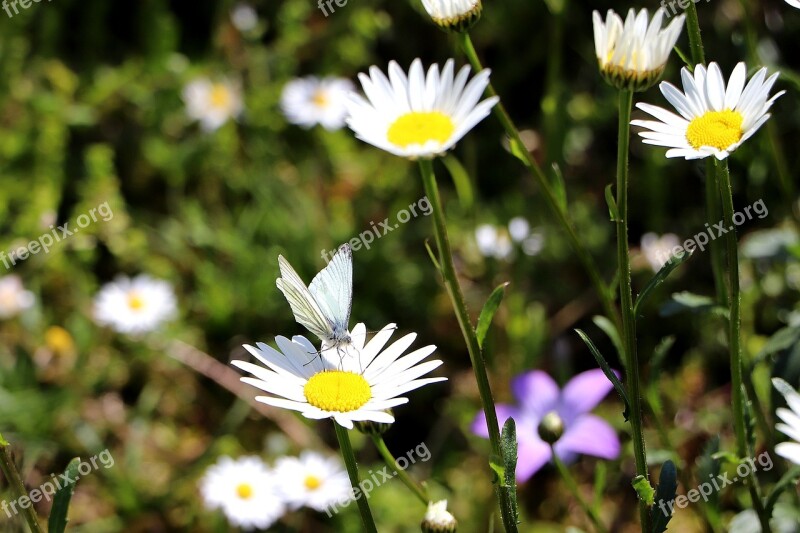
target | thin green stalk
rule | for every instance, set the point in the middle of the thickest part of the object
(450, 278)
(626, 297)
(573, 488)
(352, 471)
(695, 39)
(713, 214)
(734, 333)
(11, 474)
(418, 489)
(602, 289)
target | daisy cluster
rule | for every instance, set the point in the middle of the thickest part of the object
(251, 494)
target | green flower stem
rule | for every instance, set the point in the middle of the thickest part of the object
(734, 334)
(418, 489)
(352, 471)
(695, 39)
(450, 278)
(573, 488)
(626, 297)
(11, 474)
(602, 289)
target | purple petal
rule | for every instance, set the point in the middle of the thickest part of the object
(583, 392)
(504, 412)
(536, 392)
(533, 454)
(590, 435)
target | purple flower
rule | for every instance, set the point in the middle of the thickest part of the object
(538, 395)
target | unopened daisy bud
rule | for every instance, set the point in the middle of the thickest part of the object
(438, 520)
(632, 55)
(454, 15)
(370, 427)
(551, 428)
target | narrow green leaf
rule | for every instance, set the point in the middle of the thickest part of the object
(613, 212)
(518, 150)
(789, 479)
(782, 340)
(433, 256)
(659, 354)
(508, 444)
(559, 187)
(496, 464)
(461, 180)
(488, 311)
(58, 514)
(674, 262)
(610, 329)
(644, 490)
(687, 302)
(607, 371)
(667, 487)
(685, 58)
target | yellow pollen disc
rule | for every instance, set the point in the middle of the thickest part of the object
(338, 391)
(220, 96)
(312, 482)
(419, 128)
(719, 129)
(135, 301)
(320, 99)
(244, 491)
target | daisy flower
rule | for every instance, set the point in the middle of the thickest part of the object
(458, 15)
(244, 17)
(438, 519)
(311, 101)
(246, 491)
(135, 305)
(212, 103)
(632, 55)
(14, 299)
(791, 422)
(562, 416)
(714, 120)
(794, 3)
(312, 480)
(417, 115)
(658, 249)
(356, 382)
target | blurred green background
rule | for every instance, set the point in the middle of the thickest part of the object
(91, 112)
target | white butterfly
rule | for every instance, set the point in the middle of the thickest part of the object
(324, 306)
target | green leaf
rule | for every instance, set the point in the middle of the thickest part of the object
(607, 371)
(613, 212)
(687, 302)
(559, 187)
(783, 339)
(685, 58)
(58, 514)
(610, 329)
(674, 262)
(665, 493)
(488, 311)
(727, 457)
(433, 256)
(508, 445)
(659, 354)
(643, 489)
(789, 479)
(518, 150)
(496, 464)
(461, 180)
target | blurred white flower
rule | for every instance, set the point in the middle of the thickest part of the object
(794, 3)
(134, 305)
(13, 297)
(212, 103)
(416, 115)
(312, 480)
(244, 17)
(438, 519)
(245, 489)
(658, 250)
(791, 422)
(519, 229)
(456, 15)
(310, 101)
(493, 241)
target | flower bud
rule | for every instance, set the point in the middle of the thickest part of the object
(454, 15)
(551, 428)
(368, 427)
(438, 520)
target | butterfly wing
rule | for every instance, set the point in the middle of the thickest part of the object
(332, 289)
(304, 305)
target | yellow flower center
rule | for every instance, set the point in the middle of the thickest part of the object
(312, 482)
(320, 99)
(719, 129)
(220, 96)
(58, 340)
(244, 491)
(135, 301)
(419, 128)
(338, 391)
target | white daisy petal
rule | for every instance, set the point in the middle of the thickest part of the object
(14, 299)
